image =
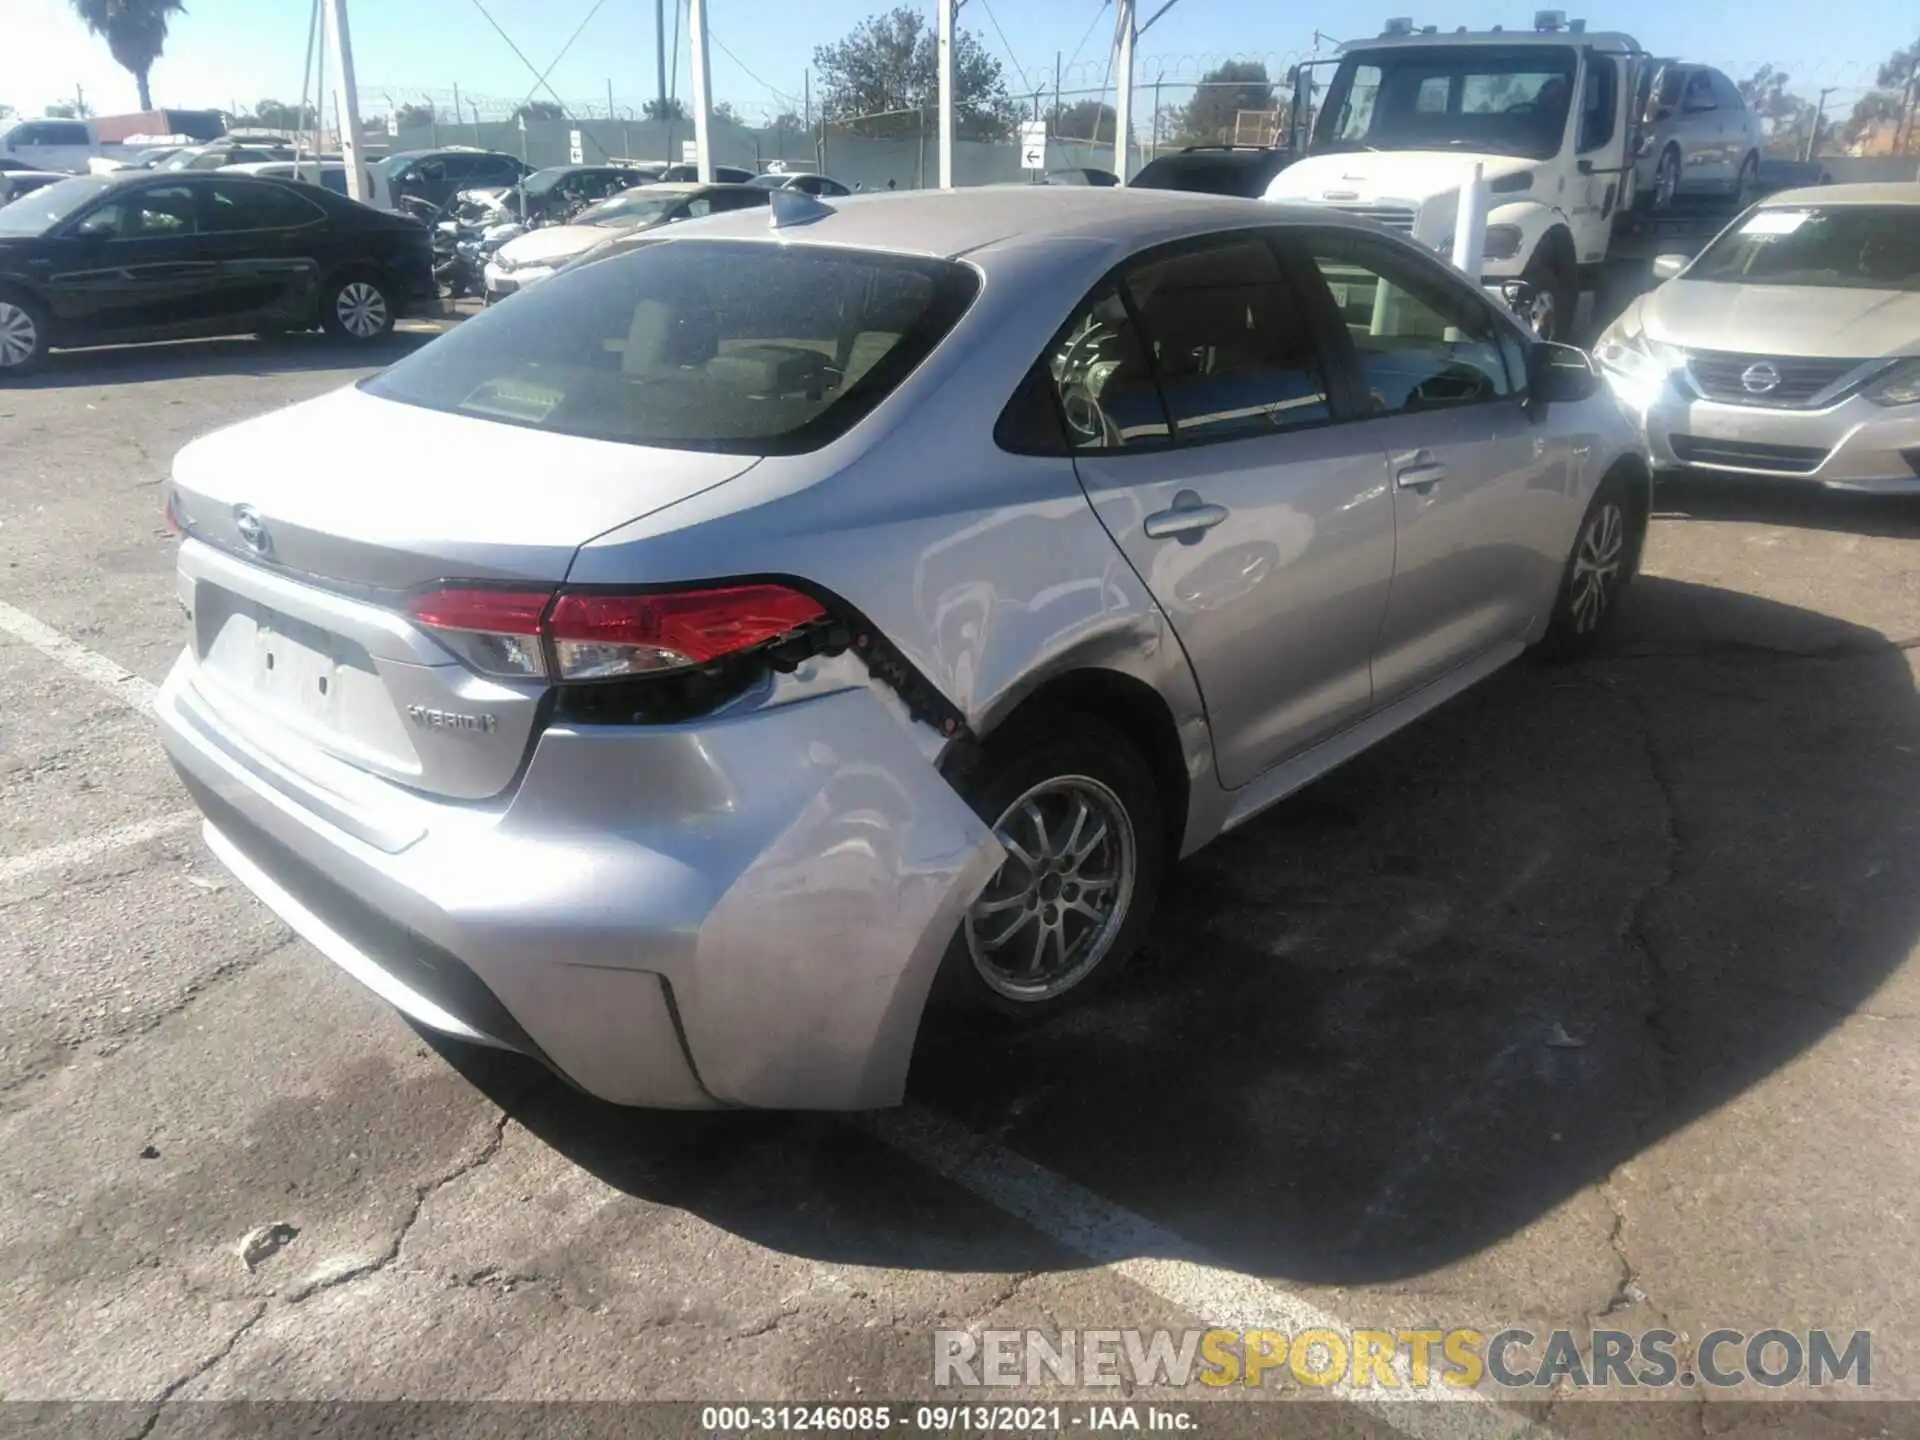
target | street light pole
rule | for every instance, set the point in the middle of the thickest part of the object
(1126, 33)
(1819, 119)
(702, 89)
(346, 99)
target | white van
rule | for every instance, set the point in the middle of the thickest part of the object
(51, 144)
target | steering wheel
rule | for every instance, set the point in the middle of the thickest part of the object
(1072, 369)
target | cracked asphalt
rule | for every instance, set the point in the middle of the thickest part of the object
(1593, 997)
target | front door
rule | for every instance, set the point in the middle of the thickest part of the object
(1701, 130)
(133, 264)
(1207, 440)
(1479, 490)
(1604, 183)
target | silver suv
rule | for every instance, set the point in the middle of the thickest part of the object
(743, 637)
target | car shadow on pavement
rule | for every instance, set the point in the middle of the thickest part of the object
(193, 359)
(1689, 496)
(1429, 999)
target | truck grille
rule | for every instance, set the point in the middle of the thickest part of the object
(1773, 382)
(1748, 455)
(1394, 217)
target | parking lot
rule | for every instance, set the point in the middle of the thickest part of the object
(1594, 998)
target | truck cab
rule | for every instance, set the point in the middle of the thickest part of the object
(1550, 116)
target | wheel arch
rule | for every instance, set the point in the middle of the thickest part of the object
(1126, 703)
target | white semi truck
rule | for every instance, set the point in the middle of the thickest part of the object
(1552, 117)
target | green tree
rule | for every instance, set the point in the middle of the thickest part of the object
(1083, 120)
(135, 32)
(885, 75)
(1785, 118)
(787, 120)
(1222, 94)
(533, 110)
(726, 114)
(669, 109)
(278, 115)
(419, 116)
(68, 110)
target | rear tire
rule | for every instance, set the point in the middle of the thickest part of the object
(23, 334)
(1666, 181)
(1747, 181)
(1077, 809)
(1605, 558)
(357, 308)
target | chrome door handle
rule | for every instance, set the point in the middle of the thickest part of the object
(1419, 477)
(1188, 517)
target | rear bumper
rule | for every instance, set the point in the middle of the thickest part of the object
(747, 911)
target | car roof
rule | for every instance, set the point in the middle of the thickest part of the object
(979, 219)
(689, 187)
(1885, 192)
(1609, 40)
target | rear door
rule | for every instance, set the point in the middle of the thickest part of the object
(1478, 490)
(1207, 439)
(266, 240)
(134, 263)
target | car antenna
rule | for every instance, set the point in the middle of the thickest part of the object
(795, 207)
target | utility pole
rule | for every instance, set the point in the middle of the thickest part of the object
(1123, 97)
(1126, 33)
(660, 52)
(1903, 133)
(79, 102)
(346, 100)
(1056, 87)
(946, 93)
(1819, 119)
(702, 89)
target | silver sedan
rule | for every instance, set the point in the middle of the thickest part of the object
(754, 636)
(1789, 348)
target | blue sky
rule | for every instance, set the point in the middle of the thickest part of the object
(224, 51)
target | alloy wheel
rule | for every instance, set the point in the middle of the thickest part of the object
(362, 310)
(1596, 567)
(1666, 180)
(1052, 911)
(1543, 314)
(19, 336)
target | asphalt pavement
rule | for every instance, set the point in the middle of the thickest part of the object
(1590, 1000)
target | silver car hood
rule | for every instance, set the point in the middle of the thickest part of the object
(352, 487)
(1829, 321)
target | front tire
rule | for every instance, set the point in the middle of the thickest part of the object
(358, 309)
(23, 334)
(1747, 181)
(1605, 558)
(1556, 295)
(1077, 810)
(1666, 180)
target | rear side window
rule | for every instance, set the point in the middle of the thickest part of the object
(740, 346)
(236, 205)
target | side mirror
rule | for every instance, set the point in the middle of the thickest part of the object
(1559, 374)
(1666, 267)
(1665, 112)
(1585, 167)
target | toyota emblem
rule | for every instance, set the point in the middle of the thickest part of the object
(1760, 379)
(253, 531)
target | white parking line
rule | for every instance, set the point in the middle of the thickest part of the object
(1163, 1264)
(1120, 1241)
(89, 847)
(109, 675)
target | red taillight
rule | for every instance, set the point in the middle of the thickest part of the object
(599, 636)
(170, 512)
(593, 635)
(497, 632)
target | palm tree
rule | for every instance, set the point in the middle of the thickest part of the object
(135, 31)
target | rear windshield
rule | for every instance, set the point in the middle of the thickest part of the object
(751, 347)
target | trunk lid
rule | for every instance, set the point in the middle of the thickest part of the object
(309, 525)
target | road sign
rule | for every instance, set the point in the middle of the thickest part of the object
(1033, 145)
(689, 152)
(576, 153)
